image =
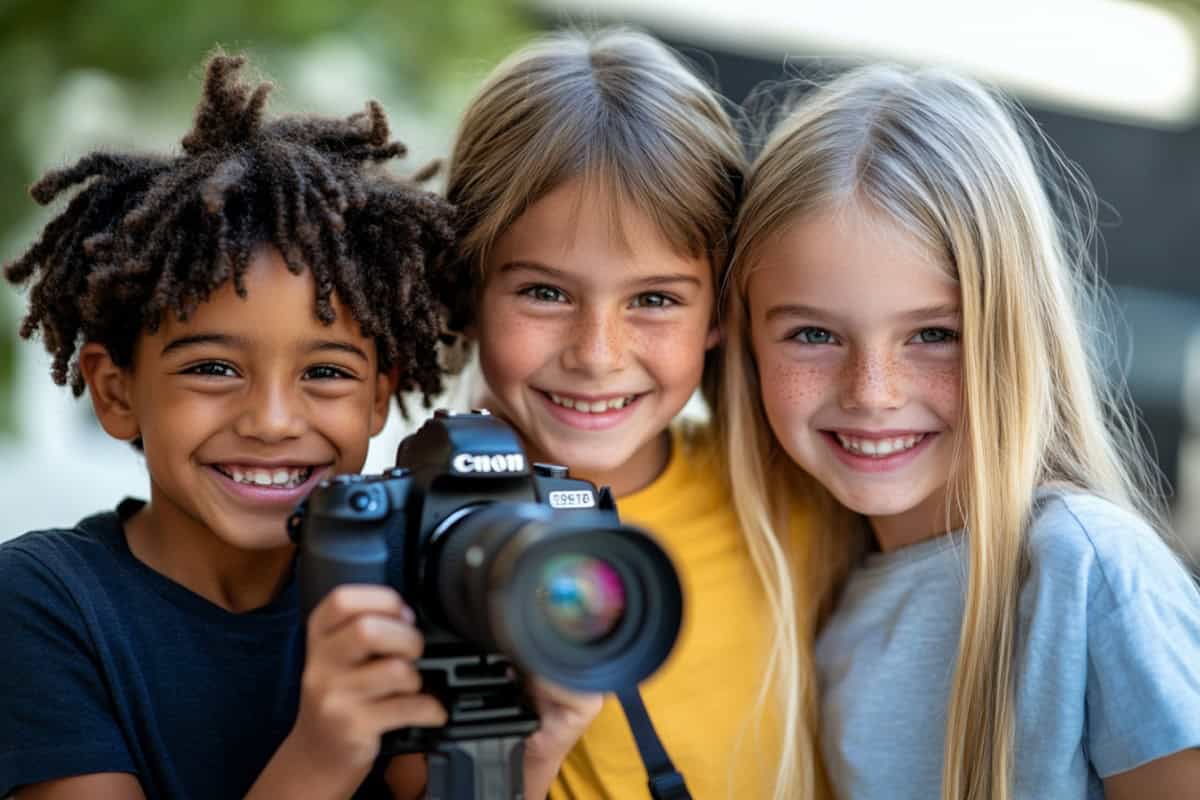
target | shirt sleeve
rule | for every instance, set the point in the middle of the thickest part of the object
(56, 717)
(1143, 682)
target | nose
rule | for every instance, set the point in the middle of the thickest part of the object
(872, 380)
(598, 342)
(273, 412)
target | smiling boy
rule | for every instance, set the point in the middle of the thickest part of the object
(242, 313)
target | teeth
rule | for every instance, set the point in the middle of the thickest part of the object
(598, 407)
(879, 448)
(281, 478)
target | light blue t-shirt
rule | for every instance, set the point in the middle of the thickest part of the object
(1108, 659)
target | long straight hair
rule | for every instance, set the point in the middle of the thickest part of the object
(620, 111)
(962, 171)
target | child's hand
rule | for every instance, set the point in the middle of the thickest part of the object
(359, 681)
(564, 716)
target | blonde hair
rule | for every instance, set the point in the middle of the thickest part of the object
(614, 108)
(952, 164)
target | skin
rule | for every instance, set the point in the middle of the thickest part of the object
(260, 382)
(579, 307)
(833, 357)
(879, 366)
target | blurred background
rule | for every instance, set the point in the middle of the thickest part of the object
(1115, 84)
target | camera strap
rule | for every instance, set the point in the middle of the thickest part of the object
(666, 782)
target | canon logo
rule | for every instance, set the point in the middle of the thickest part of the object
(466, 463)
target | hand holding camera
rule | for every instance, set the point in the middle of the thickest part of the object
(503, 564)
(362, 647)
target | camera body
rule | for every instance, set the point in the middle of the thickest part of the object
(504, 562)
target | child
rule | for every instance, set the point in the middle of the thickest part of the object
(905, 326)
(243, 313)
(597, 178)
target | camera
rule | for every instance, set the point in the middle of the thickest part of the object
(505, 564)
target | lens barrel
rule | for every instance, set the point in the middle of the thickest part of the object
(574, 597)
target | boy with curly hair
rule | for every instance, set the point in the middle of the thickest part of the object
(242, 312)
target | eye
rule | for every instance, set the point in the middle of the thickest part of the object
(326, 372)
(812, 335)
(211, 369)
(934, 336)
(544, 294)
(654, 300)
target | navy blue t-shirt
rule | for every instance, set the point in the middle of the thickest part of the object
(109, 666)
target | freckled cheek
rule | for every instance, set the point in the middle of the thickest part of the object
(513, 346)
(941, 387)
(675, 356)
(792, 389)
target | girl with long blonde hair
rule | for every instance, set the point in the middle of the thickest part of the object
(907, 351)
(597, 179)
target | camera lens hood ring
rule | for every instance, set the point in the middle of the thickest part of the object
(642, 639)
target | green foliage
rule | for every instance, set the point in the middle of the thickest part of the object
(430, 53)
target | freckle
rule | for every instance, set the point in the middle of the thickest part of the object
(943, 382)
(799, 383)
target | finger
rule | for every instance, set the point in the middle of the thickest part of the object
(422, 710)
(350, 600)
(383, 677)
(369, 636)
(552, 692)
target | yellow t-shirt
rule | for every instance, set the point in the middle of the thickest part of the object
(703, 698)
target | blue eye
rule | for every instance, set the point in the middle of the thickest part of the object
(935, 336)
(544, 294)
(211, 369)
(811, 335)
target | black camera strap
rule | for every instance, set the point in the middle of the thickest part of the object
(666, 782)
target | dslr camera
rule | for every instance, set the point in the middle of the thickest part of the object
(506, 564)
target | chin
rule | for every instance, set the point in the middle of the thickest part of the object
(873, 505)
(581, 467)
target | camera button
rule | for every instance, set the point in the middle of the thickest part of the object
(550, 470)
(360, 501)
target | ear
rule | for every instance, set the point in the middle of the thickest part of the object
(111, 390)
(714, 338)
(381, 404)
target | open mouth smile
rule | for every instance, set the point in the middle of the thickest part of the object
(879, 448)
(591, 406)
(591, 413)
(266, 477)
(878, 454)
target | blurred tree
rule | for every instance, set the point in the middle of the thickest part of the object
(430, 53)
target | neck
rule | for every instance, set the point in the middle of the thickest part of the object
(928, 520)
(185, 551)
(638, 472)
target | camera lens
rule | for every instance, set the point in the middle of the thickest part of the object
(583, 597)
(575, 597)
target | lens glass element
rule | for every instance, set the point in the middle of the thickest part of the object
(582, 596)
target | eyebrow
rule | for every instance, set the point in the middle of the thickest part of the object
(941, 311)
(239, 342)
(552, 272)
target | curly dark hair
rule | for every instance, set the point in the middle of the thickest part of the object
(150, 235)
